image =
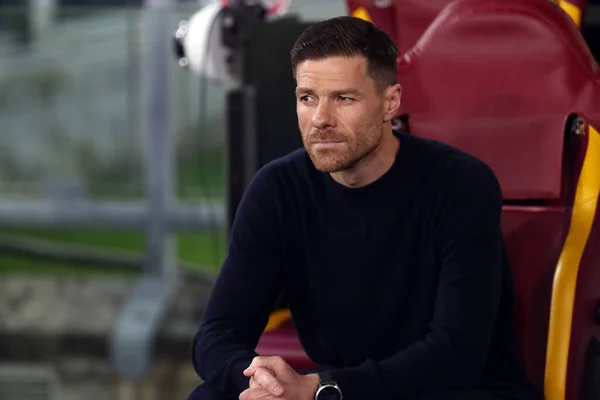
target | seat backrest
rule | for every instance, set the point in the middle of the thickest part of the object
(406, 20)
(500, 80)
(412, 18)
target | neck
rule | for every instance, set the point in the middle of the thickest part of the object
(373, 166)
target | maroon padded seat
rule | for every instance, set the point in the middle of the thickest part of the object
(413, 17)
(283, 342)
(500, 80)
(503, 69)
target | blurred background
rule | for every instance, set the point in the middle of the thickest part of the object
(114, 194)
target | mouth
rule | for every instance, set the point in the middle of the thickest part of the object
(327, 143)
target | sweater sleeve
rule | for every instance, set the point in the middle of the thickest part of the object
(452, 355)
(244, 293)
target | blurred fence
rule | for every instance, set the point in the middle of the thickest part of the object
(100, 130)
(97, 126)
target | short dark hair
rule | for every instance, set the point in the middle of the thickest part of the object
(349, 37)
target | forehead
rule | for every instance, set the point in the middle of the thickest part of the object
(332, 71)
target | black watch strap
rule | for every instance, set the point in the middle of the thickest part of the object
(325, 378)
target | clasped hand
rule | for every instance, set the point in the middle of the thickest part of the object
(271, 378)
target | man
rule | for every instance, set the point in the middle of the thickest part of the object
(388, 247)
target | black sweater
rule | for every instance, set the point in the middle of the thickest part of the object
(398, 288)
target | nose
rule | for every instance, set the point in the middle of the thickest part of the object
(322, 118)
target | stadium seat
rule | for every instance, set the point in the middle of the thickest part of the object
(505, 80)
(412, 19)
(406, 20)
(280, 339)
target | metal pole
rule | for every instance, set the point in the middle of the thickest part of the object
(144, 311)
(158, 128)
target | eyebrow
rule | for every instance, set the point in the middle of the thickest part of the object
(303, 90)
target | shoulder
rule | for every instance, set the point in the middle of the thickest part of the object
(266, 201)
(266, 196)
(279, 180)
(453, 171)
(284, 171)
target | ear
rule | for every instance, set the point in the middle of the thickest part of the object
(392, 100)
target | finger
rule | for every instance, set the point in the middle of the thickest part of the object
(253, 383)
(257, 393)
(257, 362)
(275, 364)
(268, 381)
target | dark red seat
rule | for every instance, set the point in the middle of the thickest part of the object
(280, 339)
(501, 80)
(404, 20)
(412, 18)
(407, 20)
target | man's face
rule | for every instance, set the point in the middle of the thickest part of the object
(340, 112)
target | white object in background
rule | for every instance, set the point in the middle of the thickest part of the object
(200, 37)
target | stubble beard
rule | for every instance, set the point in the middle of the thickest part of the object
(346, 155)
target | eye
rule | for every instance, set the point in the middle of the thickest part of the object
(306, 99)
(346, 99)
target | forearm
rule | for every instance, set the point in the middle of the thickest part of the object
(232, 323)
(222, 349)
(244, 293)
(429, 365)
(448, 358)
(219, 359)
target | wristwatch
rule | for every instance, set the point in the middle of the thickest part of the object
(328, 389)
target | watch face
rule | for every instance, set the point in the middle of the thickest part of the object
(329, 393)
